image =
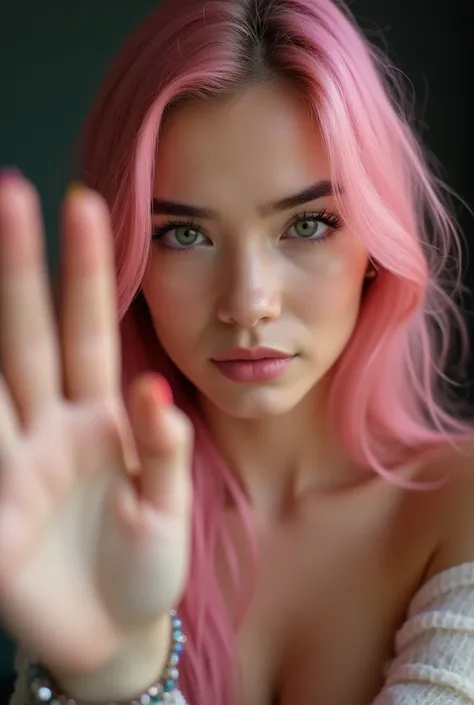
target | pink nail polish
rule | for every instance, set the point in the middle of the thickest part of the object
(162, 391)
(8, 173)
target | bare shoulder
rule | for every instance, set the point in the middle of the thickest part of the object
(456, 516)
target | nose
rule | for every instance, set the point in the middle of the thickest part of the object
(249, 291)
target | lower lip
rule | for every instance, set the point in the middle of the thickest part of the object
(253, 370)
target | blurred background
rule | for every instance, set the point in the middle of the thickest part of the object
(54, 53)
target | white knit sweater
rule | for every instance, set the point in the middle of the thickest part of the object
(434, 649)
(434, 662)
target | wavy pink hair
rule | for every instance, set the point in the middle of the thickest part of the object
(386, 399)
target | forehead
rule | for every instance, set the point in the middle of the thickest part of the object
(260, 144)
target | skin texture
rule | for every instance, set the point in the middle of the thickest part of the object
(250, 278)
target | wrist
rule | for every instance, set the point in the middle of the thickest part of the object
(132, 670)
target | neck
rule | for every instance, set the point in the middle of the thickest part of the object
(280, 459)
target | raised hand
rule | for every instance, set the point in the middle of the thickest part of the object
(94, 501)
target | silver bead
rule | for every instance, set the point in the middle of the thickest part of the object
(172, 673)
(155, 691)
(173, 659)
(145, 699)
(44, 694)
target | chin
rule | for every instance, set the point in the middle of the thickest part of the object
(258, 403)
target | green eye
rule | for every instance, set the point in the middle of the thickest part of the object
(185, 236)
(179, 236)
(306, 228)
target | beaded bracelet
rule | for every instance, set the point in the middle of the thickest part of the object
(43, 692)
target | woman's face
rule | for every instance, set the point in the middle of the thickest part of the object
(249, 252)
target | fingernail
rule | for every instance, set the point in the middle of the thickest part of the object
(162, 391)
(8, 173)
(74, 188)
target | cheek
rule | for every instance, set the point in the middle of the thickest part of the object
(330, 288)
(170, 293)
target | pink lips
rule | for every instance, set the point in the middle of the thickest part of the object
(252, 364)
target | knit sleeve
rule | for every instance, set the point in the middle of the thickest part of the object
(434, 649)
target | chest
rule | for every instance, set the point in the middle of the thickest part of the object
(332, 588)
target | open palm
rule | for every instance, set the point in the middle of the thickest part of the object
(94, 501)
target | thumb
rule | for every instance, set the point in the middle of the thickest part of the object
(163, 438)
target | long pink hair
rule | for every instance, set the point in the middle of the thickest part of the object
(387, 399)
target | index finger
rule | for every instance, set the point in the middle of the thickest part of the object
(28, 344)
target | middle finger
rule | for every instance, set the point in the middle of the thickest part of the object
(89, 319)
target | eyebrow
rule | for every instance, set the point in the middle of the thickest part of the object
(160, 207)
(320, 189)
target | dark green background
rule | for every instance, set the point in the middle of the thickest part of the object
(53, 54)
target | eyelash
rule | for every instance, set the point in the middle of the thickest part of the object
(332, 220)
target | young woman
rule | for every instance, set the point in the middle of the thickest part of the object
(272, 452)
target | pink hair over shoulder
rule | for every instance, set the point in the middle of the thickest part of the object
(387, 399)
